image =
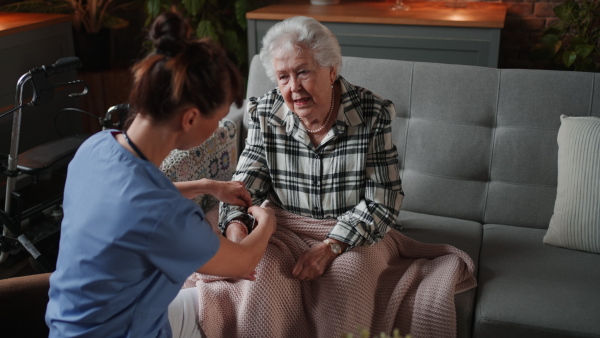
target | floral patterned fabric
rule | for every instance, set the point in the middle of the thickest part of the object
(215, 159)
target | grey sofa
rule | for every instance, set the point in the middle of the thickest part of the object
(478, 155)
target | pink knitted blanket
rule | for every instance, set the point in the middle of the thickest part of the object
(396, 283)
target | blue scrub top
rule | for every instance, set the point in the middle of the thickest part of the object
(129, 240)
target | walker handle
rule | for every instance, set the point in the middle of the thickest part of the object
(62, 65)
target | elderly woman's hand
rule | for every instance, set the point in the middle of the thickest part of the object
(314, 262)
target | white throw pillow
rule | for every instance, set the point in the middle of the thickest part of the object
(575, 223)
(215, 159)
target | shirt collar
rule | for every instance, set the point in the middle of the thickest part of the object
(353, 115)
(282, 115)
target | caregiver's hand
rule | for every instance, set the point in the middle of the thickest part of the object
(265, 217)
(232, 192)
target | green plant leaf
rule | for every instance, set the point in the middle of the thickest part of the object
(543, 51)
(563, 12)
(558, 46)
(230, 41)
(575, 41)
(153, 9)
(218, 22)
(113, 22)
(549, 39)
(583, 51)
(569, 58)
(206, 29)
(557, 28)
(193, 6)
(241, 8)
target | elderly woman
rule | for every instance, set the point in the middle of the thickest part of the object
(318, 146)
(319, 152)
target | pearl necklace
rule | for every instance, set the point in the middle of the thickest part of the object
(312, 131)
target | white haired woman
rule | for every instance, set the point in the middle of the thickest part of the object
(319, 151)
(319, 146)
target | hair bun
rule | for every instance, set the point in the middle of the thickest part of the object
(170, 33)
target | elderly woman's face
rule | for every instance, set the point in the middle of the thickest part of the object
(305, 85)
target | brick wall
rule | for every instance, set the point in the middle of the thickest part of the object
(525, 22)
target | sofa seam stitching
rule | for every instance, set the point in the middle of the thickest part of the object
(405, 145)
(495, 126)
(452, 122)
(482, 181)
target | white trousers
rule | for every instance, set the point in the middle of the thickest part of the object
(183, 314)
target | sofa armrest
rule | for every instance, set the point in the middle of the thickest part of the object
(23, 302)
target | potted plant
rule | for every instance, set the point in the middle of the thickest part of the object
(573, 43)
(92, 22)
(222, 20)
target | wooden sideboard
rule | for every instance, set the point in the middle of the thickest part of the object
(430, 31)
(29, 40)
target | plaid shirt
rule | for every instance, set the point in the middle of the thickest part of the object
(353, 175)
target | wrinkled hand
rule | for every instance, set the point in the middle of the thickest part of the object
(314, 262)
(233, 192)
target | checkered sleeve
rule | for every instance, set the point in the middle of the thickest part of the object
(377, 213)
(252, 166)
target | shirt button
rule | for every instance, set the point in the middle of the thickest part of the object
(316, 208)
(316, 182)
(317, 156)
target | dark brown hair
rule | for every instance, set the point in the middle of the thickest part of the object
(182, 71)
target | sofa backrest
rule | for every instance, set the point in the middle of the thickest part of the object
(474, 143)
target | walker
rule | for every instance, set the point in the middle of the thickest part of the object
(41, 198)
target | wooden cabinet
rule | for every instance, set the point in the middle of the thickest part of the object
(429, 31)
(29, 40)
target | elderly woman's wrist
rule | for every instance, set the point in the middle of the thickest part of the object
(234, 225)
(336, 245)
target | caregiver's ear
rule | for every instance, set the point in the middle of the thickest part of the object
(189, 117)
